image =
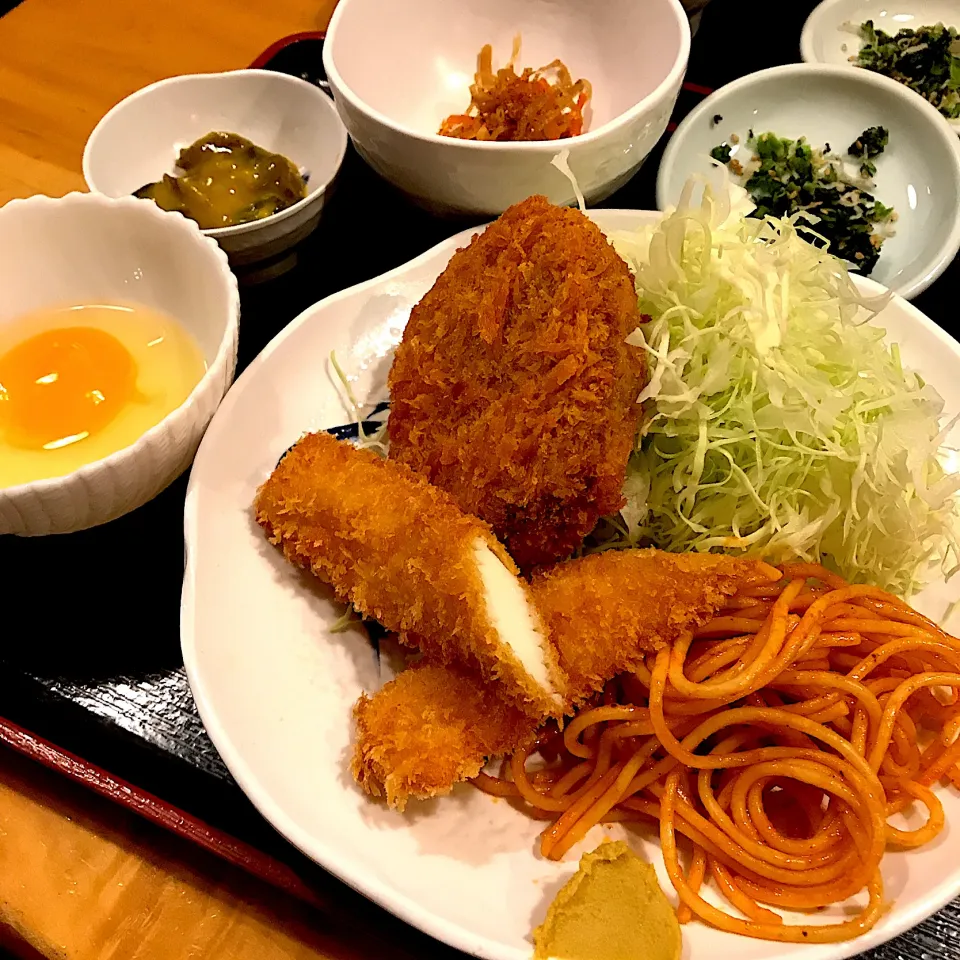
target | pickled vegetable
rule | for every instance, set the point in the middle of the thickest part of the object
(226, 179)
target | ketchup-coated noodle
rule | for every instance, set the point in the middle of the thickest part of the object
(771, 746)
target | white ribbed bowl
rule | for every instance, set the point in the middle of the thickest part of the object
(87, 248)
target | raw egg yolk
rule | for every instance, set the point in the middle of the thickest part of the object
(63, 385)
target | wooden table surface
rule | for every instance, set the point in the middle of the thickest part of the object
(80, 878)
(64, 63)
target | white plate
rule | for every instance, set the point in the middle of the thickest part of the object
(826, 36)
(276, 690)
(918, 174)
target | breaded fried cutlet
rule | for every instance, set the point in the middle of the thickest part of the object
(514, 388)
(432, 727)
(403, 553)
(435, 726)
(606, 611)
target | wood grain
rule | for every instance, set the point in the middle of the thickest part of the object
(64, 63)
(81, 879)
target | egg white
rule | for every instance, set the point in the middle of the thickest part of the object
(169, 365)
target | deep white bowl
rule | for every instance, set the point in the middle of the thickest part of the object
(918, 173)
(138, 140)
(398, 68)
(87, 248)
(828, 38)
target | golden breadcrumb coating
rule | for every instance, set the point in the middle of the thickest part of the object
(435, 726)
(398, 549)
(606, 611)
(514, 388)
(430, 728)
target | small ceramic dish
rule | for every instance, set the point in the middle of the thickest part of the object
(86, 248)
(830, 33)
(918, 174)
(399, 68)
(138, 140)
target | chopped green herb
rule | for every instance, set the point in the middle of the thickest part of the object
(750, 134)
(721, 153)
(716, 119)
(789, 176)
(881, 211)
(871, 143)
(927, 60)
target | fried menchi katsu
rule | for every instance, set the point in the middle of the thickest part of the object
(403, 553)
(513, 387)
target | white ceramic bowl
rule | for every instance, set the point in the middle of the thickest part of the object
(86, 248)
(829, 35)
(138, 140)
(398, 68)
(918, 174)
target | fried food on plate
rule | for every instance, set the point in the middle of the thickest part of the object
(514, 388)
(403, 553)
(606, 611)
(434, 726)
(430, 728)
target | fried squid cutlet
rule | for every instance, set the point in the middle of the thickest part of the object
(404, 554)
(605, 612)
(430, 728)
(435, 726)
(513, 387)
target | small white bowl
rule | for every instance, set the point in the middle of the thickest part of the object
(918, 174)
(398, 68)
(86, 248)
(138, 140)
(830, 33)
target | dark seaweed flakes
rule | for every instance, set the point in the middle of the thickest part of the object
(927, 60)
(790, 176)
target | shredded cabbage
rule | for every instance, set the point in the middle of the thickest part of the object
(377, 438)
(562, 162)
(779, 423)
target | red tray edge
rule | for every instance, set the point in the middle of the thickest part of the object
(264, 58)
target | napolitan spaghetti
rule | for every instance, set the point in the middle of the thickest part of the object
(776, 741)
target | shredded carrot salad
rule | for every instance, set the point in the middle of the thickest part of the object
(542, 104)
